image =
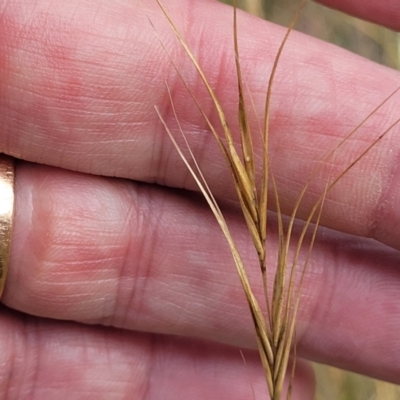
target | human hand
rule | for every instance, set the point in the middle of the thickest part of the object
(107, 232)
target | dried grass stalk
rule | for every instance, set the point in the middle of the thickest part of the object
(275, 331)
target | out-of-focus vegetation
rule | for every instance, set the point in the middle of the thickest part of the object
(380, 45)
(335, 384)
(361, 37)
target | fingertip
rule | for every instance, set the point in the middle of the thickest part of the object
(386, 13)
(304, 382)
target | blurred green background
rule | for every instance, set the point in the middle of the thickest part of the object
(380, 45)
(369, 40)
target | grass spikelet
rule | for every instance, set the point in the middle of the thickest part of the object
(275, 328)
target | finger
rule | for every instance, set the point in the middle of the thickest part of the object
(48, 359)
(386, 13)
(84, 101)
(110, 252)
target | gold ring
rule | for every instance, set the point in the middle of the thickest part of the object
(7, 173)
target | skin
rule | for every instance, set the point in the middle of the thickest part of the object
(120, 284)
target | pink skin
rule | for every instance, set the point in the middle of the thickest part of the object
(78, 82)
(386, 13)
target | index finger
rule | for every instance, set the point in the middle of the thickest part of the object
(79, 82)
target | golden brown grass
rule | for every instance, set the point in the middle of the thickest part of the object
(274, 316)
(380, 45)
